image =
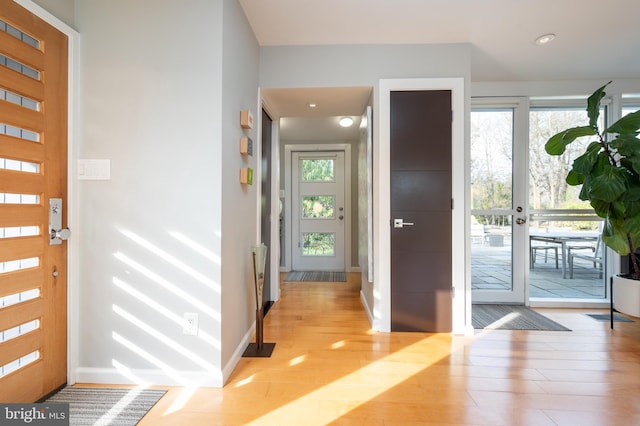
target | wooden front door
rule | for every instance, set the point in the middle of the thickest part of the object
(33, 170)
(421, 216)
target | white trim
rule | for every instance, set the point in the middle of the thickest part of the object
(382, 202)
(73, 207)
(366, 307)
(520, 178)
(274, 244)
(288, 150)
(148, 377)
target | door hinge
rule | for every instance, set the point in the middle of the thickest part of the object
(452, 204)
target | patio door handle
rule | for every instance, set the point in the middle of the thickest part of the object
(521, 220)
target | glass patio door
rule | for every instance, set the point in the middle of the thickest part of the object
(568, 259)
(498, 165)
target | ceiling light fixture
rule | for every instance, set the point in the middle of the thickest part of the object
(545, 39)
(312, 104)
(346, 121)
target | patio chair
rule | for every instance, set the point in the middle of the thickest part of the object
(594, 256)
(477, 234)
(543, 247)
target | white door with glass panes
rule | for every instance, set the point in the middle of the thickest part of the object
(498, 231)
(318, 211)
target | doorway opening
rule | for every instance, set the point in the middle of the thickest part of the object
(306, 122)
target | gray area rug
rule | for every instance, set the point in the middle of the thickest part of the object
(323, 276)
(511, 317)
(106, 406)
(607, 317)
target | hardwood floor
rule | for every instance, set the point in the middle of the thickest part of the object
(328, 368)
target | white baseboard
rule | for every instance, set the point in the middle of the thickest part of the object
(237, 354)
(367, 309)
(121, 376)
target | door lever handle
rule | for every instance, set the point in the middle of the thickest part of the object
(400, 223)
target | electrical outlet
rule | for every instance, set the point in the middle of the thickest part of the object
(190, 325)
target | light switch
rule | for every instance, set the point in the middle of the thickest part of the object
(94, 169)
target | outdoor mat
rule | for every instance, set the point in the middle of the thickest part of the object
(511, 317)
(106, 406)
(607, 317)
(324, 276)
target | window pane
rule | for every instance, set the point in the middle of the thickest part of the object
(318, 244)
(563, 230)
(491, 159)
(491, 253)
(548, 188)
(320, 170)
(318, 206)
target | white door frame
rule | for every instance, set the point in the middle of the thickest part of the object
(73, 209)
(274, 249)
(520, 163)
(288, 150)
(461, 278)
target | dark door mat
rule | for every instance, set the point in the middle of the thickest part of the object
(324, 276)
(607, 317)
(511, 317)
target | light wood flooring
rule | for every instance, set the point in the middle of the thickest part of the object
(329, 368)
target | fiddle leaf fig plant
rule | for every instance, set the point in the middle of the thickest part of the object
(609, 172)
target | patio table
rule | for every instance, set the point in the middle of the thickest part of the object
(562, 238)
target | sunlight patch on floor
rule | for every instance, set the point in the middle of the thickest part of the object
(365, 393)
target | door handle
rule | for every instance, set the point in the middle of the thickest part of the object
(521, 220)
(56, 232)
(400, 223)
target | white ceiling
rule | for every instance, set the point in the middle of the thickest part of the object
(595, 39)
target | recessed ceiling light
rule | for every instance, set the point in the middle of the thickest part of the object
(545, 39)
(346, 121)
(312, 104)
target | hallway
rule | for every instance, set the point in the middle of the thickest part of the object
(329, 368)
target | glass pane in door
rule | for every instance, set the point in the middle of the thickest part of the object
(492, 199)
(567, 257)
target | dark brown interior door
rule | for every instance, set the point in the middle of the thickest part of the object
(421, 185)
(265, 206)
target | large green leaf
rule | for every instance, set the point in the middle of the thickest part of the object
(593, 105)
(615, 237)
(557, 144)
(602, 208)
(632, 225)
(628, 147)
(632, 194)
(608, 185)
(627, 125)
(574, 178)
(632, 209)
(584, 164)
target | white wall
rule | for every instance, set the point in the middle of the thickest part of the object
(152, 237)
(61, 9)
(240, 209)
